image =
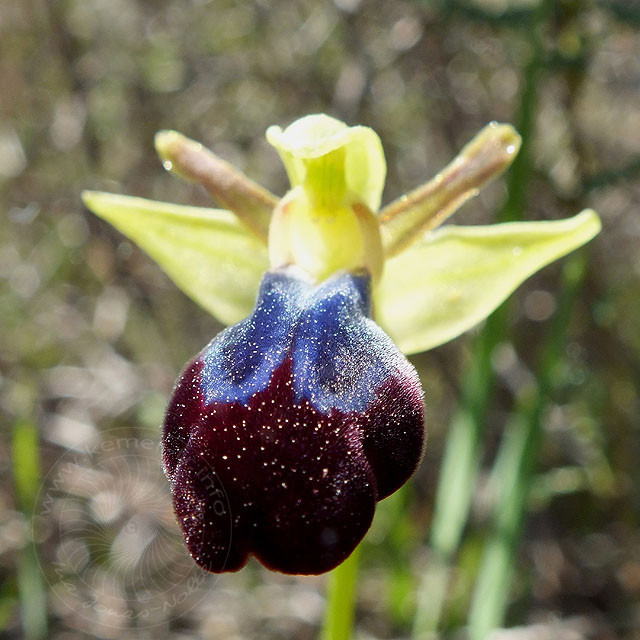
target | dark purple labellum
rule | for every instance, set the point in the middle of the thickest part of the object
(287, 428)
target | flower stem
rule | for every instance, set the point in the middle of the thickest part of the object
(341, 599)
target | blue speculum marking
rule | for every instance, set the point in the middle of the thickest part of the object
(339, 355)
(240, 361)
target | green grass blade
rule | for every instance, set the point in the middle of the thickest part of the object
(27, 477)
(451, 511)
(460, 464)
(513, 472)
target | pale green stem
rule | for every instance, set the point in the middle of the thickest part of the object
(341, 599)
(233, 190)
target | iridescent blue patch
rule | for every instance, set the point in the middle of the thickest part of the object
(339, 355)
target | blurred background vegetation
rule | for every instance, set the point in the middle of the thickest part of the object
(92, 333)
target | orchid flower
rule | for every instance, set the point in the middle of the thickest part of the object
(286, 429)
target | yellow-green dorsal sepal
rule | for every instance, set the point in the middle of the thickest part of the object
(326, 222)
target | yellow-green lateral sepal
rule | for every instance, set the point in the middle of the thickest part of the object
(208, 253)
(455, 277)
(332, 161)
